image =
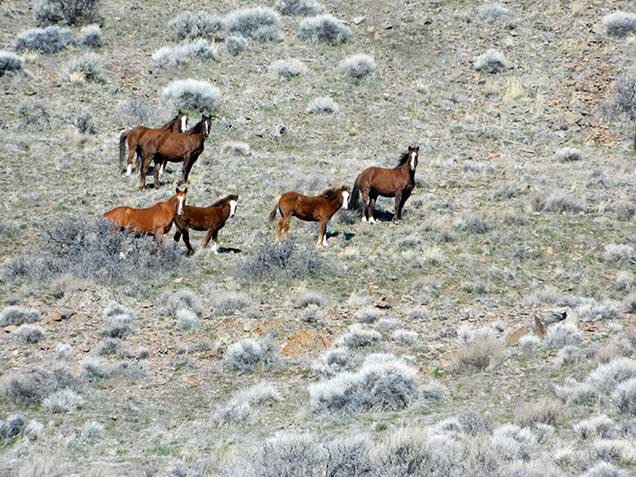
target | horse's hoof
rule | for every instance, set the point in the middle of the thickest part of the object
(190, 253)
(364, 220)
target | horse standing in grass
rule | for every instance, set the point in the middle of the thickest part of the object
(134, 139)
(174, 147)
(156, 220)
(210, 219)
(311, 209)
(377, 181)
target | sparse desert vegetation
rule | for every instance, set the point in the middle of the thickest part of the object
(488, 333)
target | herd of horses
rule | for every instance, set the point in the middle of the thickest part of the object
(174, 142)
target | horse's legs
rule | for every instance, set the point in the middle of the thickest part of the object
(177, 236)
(279, 227)
(405, 196)
(286, 226)
(322, 234)
(365, 200)
(373, 197)
(398, 202)
(212, 235)
(131, 152)
(185, 169)
(186, 240)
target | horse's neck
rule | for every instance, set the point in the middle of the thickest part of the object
(406, 170)
(225, 210)
(172, 204)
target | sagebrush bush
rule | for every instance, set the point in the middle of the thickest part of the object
(324, 29)
(358, 337)
(45, 40)
(33, 115)
(89, 66)
(137, 111)
(187, 321)
(199, 49)
(529, 344)
(597, 426)
(562, 335)
(323, 105)
(92, 430)
(286, 259)
(624, 396)
(477, 355)
(189, 24)
(310, 298)
(603, 469)
(173, 301)
(544, 411)
(625, 94)
(84, 122)
(191, 94)
(606, 377)
(118, 326)
(334, 361)
(239, 408)
(13, 427)
(618, 252)
(568, 355)
(248, 354)
(258, 23)
(91, 36)
(64, 400)
(556, 201)
(608, 310)
(235, 44)
(385, 386)
(9, 63)
(29, 333)
(288, 69)
(229, 302)
(358, 67)
(95, 369)
(240, 149)
(406, 337)
(107, 347)
(568, 154)
(86, 249)
(32, 387)
(71, 12)
(304, 8)
(473, 224)
(367, 316)
(18, 315)
(491, 62)
(493, 12)
(620, 23)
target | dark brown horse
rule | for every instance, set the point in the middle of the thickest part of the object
(318, 208)
(174, 147)
(156, 220)
(134, 139)
(377, 181)
(212, 219)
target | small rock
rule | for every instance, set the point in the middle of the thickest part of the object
(358, 20)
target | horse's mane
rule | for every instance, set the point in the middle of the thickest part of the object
(169, 124)
(196, 129)
(403, 158)
(225, 199)
(331, 194)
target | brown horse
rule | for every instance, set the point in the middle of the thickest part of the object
(212, 219)
(134, 137)
(174, 147)
(156, 220)
(377, 181)
(311, 209)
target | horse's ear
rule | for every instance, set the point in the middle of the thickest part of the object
(185, 191)
(417, 148)
(177, 190)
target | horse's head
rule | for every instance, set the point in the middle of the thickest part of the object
(345, 192)
(233, 200)
(206, 124)
(183, 121)
(414, 152)
(181, 200)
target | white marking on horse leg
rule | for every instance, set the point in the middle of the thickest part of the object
(161, 169)
(129, 169)
(324, 240)
(372, 220)
(233, 204)
(364, 220)
(215, 247)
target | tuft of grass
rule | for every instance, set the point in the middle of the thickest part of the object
(543, 411)
(63, 401)
(368, 316)
(620, 23)
(562, 335)
(310, 298)
(71, 12)
(18, 315)
(199, 49)
(568, 355)
(334, 361)
(91, 36)
(246, 355)
(289, 69)
(358, 67)
(477, 355)
(556, 201)
(33, 115)
(95, 369)
(239, 408)
(624, 101)
(199, 24)
(324, 29)
(473, 225)
(193, 95)
(235, 44)
(32, 387)
(301, 8)
(171, 302)
(603, 469)
(491, 62)
(618, 253)
(187, 321)
(493, 12)
(92, 431)
(29, 333)
(323, 105)
(568, 154)
(406, 337)
(137, 111)
(358, 337)
(258, 23)
(84, 122)
(107, 347)
(391, 385)
(10, 63)
(45, 40)
(89, 66)
(229, 302)
(240, 149)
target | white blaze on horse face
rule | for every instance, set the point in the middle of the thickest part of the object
(129, 169)
(345, 199)
(233, 204)
(184, 123)
(207, 127)
(180, 207)
(413, 159)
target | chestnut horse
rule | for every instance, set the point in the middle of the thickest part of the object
(156, 220)
(377, 181)
(134, 137)
(211, 219)
(174, 147)
(318, 208)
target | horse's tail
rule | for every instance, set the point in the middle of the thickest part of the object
(122, 149)
(272, 214)
(354, 197)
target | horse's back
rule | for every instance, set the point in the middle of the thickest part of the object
(118, 215)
